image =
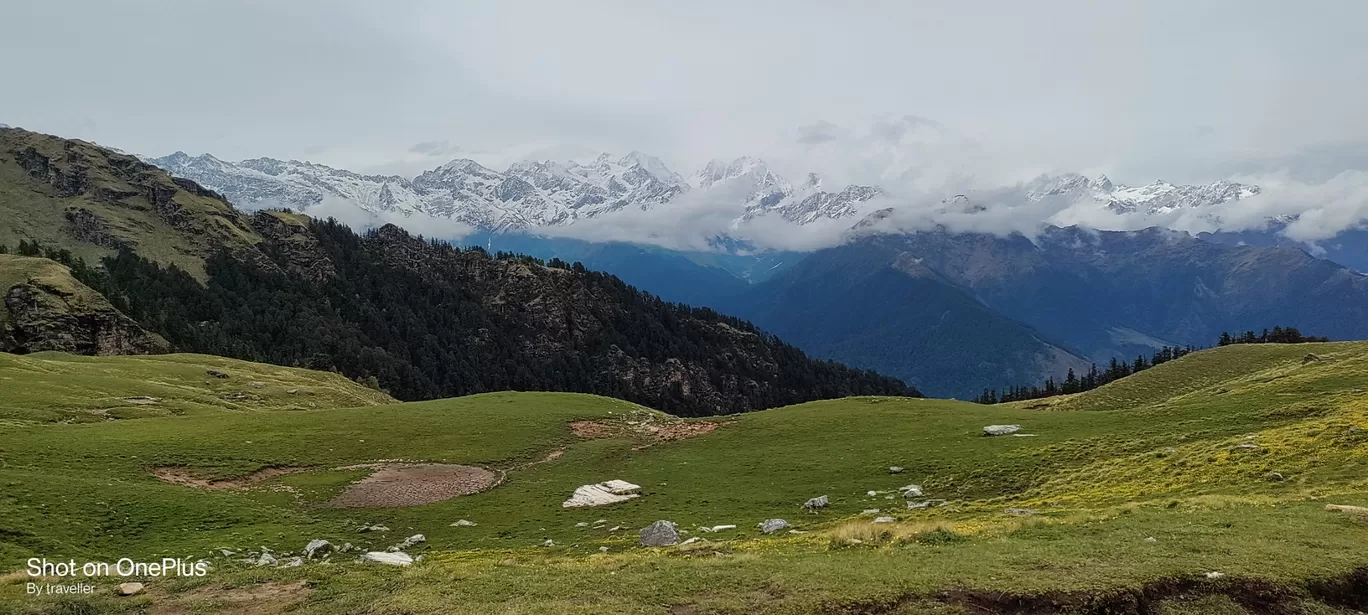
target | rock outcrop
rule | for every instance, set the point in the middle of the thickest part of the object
(42, 307)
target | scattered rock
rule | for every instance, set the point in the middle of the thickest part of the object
(548, 543)
(895, 470)
(216, 373)
(815, 503)
(267, 559)
(915, 504)
(885, 520)
(317, 547)
(373, 528)
(615, 528)
(1021, 512)
(227, 553)
(128, 589)
(582, 524)
(293, 391)
(911, 491)
(464, 523)
(1215, 575)
(870, 511)
(691, 541)
(346, 546)
(1355, 390)
(603, 549)
(1247, 446)
(295, 562)
(257, 384)
(717, 528)
(1151, 539)
(1309, 358)
(1275, 477)
(415, 539)
(871, 493)
(393, 559)
(660, 534)
(141, 400)
(770, 526)
(607, 492)
(1000, 430)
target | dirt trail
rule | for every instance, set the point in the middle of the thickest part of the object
(182, 476)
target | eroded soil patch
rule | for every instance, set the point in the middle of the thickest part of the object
(413, 485)
(659, 432)
(182, 476)
(265, 599)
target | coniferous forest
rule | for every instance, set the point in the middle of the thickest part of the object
(424, 319)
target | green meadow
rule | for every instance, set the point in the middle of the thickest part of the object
(1198, 486)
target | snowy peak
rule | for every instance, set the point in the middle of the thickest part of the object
(1157, 197)
(527, 194)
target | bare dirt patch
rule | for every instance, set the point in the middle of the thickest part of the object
(414, 484)
(182, 476)
(265, 599)
(659, 432)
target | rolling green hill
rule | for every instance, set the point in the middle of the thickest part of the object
(1123, 499)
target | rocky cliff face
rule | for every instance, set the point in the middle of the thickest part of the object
(43, 308)
(71, 194)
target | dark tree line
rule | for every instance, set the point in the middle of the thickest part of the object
(416, 318)
(1120, 369)
(1276, 335)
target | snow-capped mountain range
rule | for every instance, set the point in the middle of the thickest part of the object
(535, 194)
(527, 195)
(1156, 198)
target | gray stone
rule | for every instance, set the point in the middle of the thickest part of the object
(267, 559)
(770, 526)
(895, 470)
(128, 589)
(216, 373)
(463, 523)
(415, 539)
(294, 562)
(317, 548)
(660, 534)
(885, 520)
(911, 491)
(815, 503)
(1151, 539)
(373, 528)
(393, 559)
(1021, 512)
(1000, 430)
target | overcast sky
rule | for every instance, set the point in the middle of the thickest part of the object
(1140, 89)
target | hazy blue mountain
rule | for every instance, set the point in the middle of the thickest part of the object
(863, 305)
(1006, 305)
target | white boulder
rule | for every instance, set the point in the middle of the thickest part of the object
(607, 492)
(394, 559)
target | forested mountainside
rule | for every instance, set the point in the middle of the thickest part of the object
(420, 319)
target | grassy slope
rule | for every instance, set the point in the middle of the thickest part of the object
(53, 386)
(33, 210)
(1155, 455)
